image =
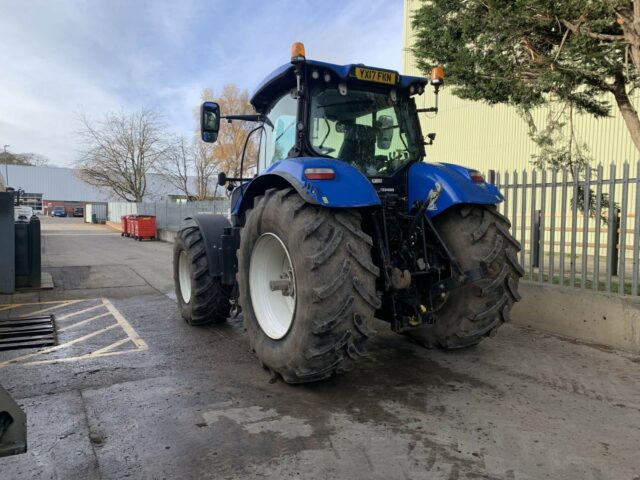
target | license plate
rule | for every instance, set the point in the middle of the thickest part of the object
(377, 76)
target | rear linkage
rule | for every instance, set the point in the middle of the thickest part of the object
(397, 282)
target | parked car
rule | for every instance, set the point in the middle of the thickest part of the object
(59, 212)
(78, 211)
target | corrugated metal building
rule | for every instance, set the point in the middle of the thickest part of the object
(486, 137)
(53, 183)
(50, 186)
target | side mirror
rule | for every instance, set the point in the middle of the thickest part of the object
(209, 121)
(222, 178)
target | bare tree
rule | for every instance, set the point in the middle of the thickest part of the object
(121, 150)
(33, 159)
(187, 166)
(176, 165)
(205, 171)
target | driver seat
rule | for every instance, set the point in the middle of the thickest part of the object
(359, 145)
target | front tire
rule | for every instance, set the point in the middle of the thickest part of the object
(307, 286)
(201, 298)
(479, 238)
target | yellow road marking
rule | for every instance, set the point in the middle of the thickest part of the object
(82, 357)
(97, 353)
(64, 317)
(58, 347)
(133, 335)
(69, 302)
(11, 305)
(121, 322)
(16, 305)
(83, 322)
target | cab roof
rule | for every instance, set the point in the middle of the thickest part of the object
(283, 78)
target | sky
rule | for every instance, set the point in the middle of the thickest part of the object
(60, 58)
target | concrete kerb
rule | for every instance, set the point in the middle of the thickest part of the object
(593, 317)
(167, 235)
(114, 225)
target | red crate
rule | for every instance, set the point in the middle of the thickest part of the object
(144, 226)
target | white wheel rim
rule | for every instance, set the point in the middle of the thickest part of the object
(274, 309)
(184, 276)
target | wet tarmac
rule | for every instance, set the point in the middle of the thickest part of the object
(136, 393)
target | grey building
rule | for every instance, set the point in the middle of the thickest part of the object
(45, 187)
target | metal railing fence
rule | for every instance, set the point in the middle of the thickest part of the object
(561, 245)
(169, 215)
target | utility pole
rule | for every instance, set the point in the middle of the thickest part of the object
(6, 168)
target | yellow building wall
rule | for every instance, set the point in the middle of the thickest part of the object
(484, 137)
(477, 135)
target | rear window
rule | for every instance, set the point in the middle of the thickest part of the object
(58, 209)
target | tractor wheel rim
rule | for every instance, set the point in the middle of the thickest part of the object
(184, 276)
(272, 286)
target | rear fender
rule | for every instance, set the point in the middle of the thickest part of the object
(213, 227)
(457, 187)
(349, 189)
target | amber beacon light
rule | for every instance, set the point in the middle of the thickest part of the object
(297, 51)
(437, 75)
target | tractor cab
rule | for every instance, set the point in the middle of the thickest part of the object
(362, 116)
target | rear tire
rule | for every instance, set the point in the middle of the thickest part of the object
(478, 236)
(201, 298)
(321, 328)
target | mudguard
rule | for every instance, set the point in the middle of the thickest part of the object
(457, 187)
(349, 189)
(212, 226)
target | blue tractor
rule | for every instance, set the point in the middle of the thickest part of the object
(344, 222)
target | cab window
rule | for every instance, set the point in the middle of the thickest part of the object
(278, 140)
(367, 129)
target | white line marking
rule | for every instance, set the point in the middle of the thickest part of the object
(64, 317)
(133, 335)
(74, 325)
(97, 353)
(58, 347)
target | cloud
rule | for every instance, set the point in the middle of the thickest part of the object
(60, 58)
